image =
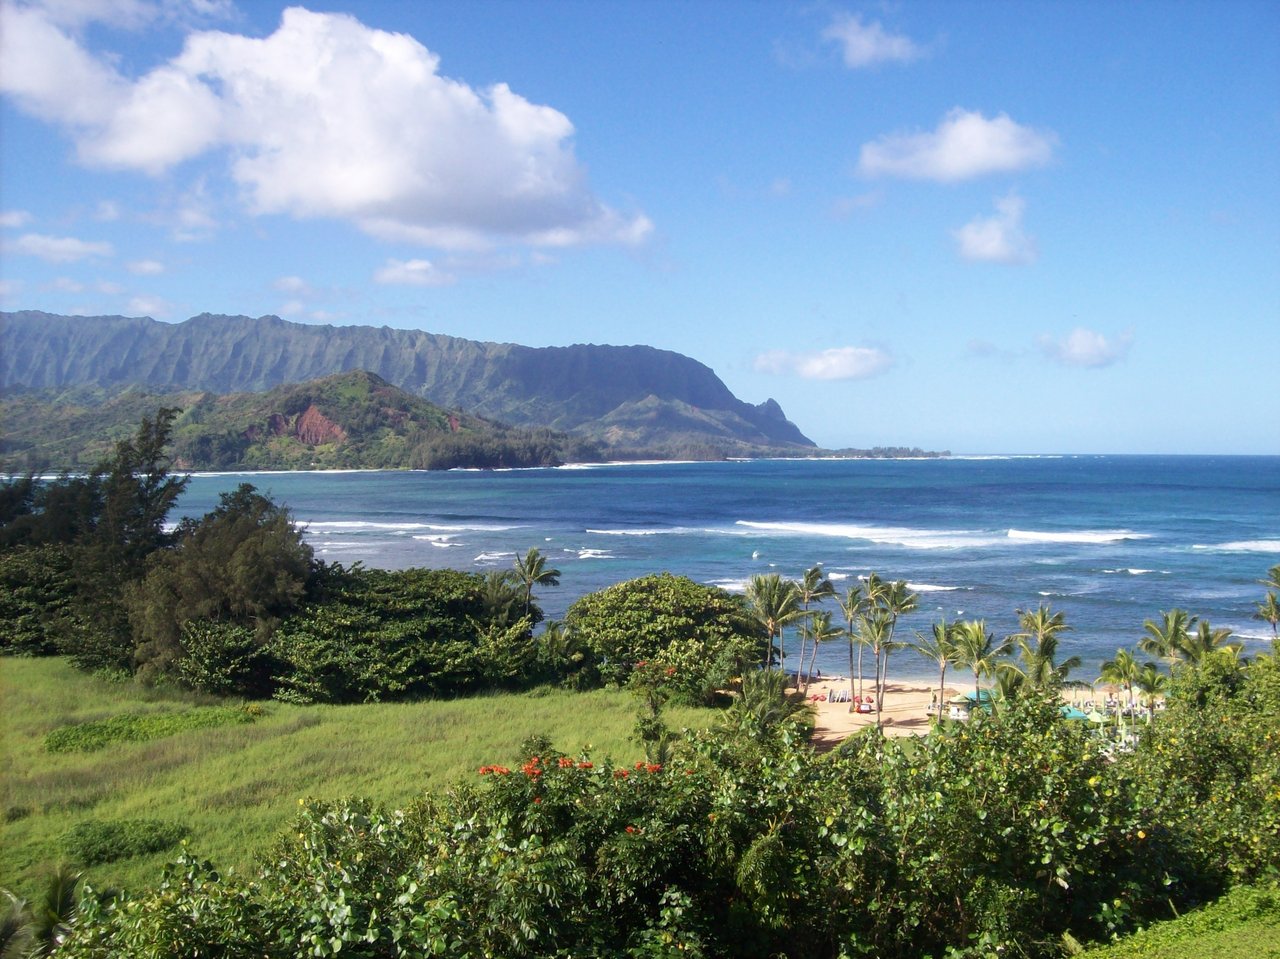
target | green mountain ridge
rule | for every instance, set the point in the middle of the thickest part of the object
(633, 397)
(351, 420)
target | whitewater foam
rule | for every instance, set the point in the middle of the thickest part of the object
(1245, 546)
(1084, 536)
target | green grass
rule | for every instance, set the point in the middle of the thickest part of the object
(234, 787)
(1243, 924)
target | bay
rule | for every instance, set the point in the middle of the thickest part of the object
(1108, 540)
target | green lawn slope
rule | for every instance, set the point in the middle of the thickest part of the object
(1243, 924)
(232, 787)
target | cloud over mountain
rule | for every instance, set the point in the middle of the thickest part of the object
(325, 117)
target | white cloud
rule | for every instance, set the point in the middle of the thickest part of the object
(11, 288)
(413, 273)
(328, 118)
(152, 306)
(292, 284)
(13, 219)
(867, 44)
(56, 249)
(998, 238)
(107, 211)
(65, 284)
(145, 267)
(844, 207)
(1086, 348)
(965, 144)
(837, 363)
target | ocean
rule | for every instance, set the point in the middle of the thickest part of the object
(1108, 540)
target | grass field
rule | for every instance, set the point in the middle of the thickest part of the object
(1243, 924)
(234, 786)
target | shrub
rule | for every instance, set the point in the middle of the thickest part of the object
(97, 841)
(140, 727)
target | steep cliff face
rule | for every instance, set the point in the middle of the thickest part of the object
(646, 394)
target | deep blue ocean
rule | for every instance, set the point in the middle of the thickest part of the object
(1108, 540)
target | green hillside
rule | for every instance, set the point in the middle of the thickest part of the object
(349, 420)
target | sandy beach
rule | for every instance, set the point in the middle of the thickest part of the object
(904, 712)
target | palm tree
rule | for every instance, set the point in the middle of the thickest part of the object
(1037, 646)
(764, 703)
(531, 570)
(1269, 612)
(1272, 582)
(1207, 640)
(875, 629)
(1151, 683)
(976, 649)
(813, 587)
(773, 600)
(938, 646)
(893, 599)
(853, 603)
(822, 631)
(500, 596)
(1167, 638)
(1123, 671)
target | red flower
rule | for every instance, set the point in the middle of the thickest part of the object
(565, 762)
(537, 799)
(653, 768)
(631, 829)
(585, 765)
(643, 663)
(620, 774)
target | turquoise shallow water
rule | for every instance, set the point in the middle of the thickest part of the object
(1109, 540)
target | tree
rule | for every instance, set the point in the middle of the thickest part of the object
(853, 604)
(705, 634)
(940, 647)
(531, 570)
(1151, 683)
(1169, 637)
(814, 586)
(1037, 646)
(500, 589)
(1206, 641)
(976, 649)
(774, 602)
(1124, 670)
(1269, 612)
(244, 563)
(821, 631)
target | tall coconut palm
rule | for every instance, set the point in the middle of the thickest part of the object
(500, 596)
(1037, 646)
(893, 599)
(1272, 582)
(976, 649)
(1124, 671)
(938, 646)
(1269, 612)
(1207, 640)
(821, 630)
(531, 570)
(813, 587)
(853, 603)
(1151, 683)
(775, 603)
(1167, 638)
(875, 629)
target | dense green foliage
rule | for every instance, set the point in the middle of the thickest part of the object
(141, 727)
(343, 421)
(999, 836)
(95, 841)
(704, 634)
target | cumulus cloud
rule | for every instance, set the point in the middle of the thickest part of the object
(292, 284)
(867, 44)
(837, 363)
(998, 238)
(13, 219)
(57, 249)
(413, 273)
(145, 267)
(964, 145)
(152, 306)
(327, 118)
(1085, 348)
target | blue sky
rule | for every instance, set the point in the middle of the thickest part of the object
(987, 227)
